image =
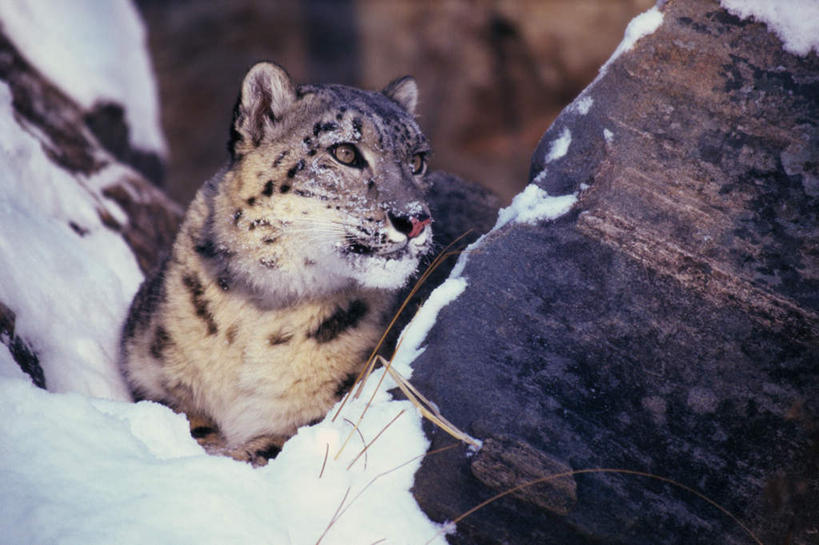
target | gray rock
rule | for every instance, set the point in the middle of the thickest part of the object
(667, 325)
(20, 351)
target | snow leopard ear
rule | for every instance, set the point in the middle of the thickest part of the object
(267, 93)
(404, 91)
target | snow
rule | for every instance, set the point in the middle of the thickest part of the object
(534, 205)
(608, 135)
(8, 367)
(76, 470)
(416, 331)
(559, 146)
(795, 22)
(94, 51)
(582, 104)
(69, 292)
(541, 177)
(642, 25)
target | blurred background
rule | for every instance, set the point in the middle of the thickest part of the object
(492, 74)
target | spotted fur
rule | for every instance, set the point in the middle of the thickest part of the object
(282, 272)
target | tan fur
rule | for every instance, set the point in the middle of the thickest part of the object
(284, 267)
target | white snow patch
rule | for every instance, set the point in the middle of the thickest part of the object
(560, 146)
(582, 104)
(608, 135)
(460, 265)
(642, 25)
(795, 22)
(69, 292)
(79, 471)
(533, 205)
(94, 51)
(416, 331)
(8, 367)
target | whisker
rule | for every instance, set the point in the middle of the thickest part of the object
(316, 231)
(317, 221)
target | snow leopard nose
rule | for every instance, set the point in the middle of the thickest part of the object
(411, 225)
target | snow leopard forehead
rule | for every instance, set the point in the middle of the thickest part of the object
(346, 110)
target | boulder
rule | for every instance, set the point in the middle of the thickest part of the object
(666, 325)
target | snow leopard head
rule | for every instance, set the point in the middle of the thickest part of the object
(326, 186)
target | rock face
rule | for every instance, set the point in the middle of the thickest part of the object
(668, 324)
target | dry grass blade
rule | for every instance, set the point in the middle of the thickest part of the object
(361, 380)
(361, 435)
(335, 516)
(428, 410)
(388, 363)
(361, 416)
(365, 372)
(339, 511)
(604, 470)
(369, 401)
(382, 474)
(364, 450)
(439, 259)
(324, 463)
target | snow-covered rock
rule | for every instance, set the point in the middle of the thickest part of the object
(77, 225)
(95, 52)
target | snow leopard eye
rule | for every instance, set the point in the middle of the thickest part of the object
(419, 164)
(348, 154)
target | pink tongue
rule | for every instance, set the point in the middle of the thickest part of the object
(418, 226)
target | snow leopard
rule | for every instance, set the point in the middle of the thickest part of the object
(284, 268)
